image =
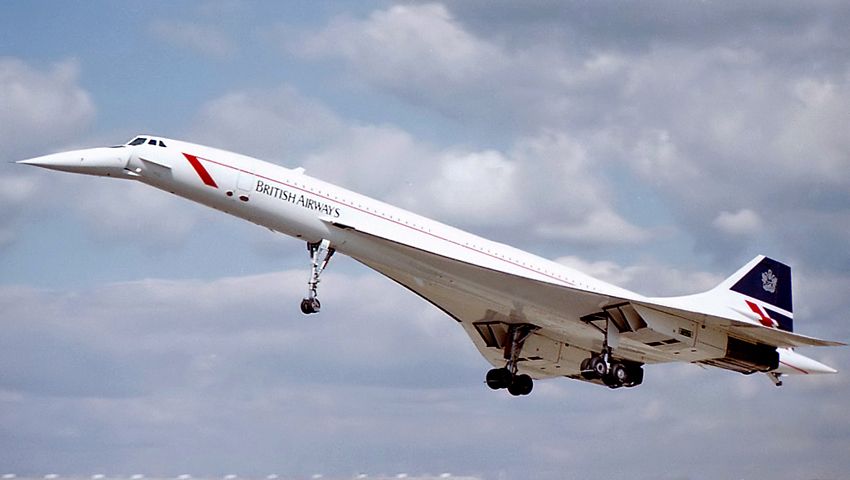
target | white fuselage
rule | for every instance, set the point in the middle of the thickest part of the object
(291, 202)
(453, 269)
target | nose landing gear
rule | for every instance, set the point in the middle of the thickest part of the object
(320, 254)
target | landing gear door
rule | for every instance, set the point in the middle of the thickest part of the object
(245, 183)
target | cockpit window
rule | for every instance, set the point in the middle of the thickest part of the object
(148, 140)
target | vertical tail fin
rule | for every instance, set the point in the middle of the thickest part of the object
(769, 282)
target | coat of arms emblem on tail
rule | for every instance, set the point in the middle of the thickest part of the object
(769, 281)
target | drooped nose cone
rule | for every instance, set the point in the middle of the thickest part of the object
(91, 161)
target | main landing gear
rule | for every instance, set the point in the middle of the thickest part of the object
(507, 376)
(613, 373)
(320, 254)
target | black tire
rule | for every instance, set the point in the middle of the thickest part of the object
(599, 367)
(611, 382)
(527, 382)
(522, 385)
(498, 378)
(620, 373)
(586, 372)
(635, 376)
(310, 306)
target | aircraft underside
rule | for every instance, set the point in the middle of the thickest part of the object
(533, 330)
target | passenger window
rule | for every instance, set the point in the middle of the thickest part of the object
(138, 141)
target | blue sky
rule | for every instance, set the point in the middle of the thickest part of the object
(658, 146)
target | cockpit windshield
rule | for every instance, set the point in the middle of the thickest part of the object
(141, 140)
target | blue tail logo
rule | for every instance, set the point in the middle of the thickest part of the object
(770, 282)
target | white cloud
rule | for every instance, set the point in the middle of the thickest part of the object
(743, 222)
(477, 187)
(16, 192)
(167, 335)
(417, 45)
(150, 365)
(566, 195)
(647, 278)
(657, 159)
(382, 161)
(35, 101)
(600, 227)
(112, 210)
(126, 211)
(713, 128)
(276, 124)
(811, 142)
(39, 110)
(769, 126)
(708, 125)
(424, 55)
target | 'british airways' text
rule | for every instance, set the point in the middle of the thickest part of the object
(297, 199)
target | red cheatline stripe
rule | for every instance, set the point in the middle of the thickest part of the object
(199, 168)
(765, 320)
(795, 368)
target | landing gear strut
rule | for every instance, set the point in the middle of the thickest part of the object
(603, 366)
(775, 378)
(507, 377)
(320, 254)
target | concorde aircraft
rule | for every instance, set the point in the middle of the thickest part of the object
(531, 318)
